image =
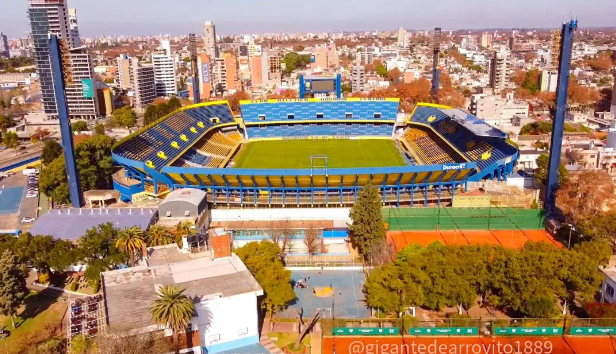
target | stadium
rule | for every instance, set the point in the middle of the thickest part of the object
(312, 153)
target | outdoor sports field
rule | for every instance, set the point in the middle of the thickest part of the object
(341, 153)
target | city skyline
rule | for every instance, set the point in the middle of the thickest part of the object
(243, 16)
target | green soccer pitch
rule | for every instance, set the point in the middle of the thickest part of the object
(341, 153)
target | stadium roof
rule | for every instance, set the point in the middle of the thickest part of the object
(129, 292)
(474, 124)
(71, 224)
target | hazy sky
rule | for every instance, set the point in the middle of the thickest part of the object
(149, 17)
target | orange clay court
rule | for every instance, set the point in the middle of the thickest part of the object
(410, 345)
(514, 239)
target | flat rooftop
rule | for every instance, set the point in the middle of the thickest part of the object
(129, 293)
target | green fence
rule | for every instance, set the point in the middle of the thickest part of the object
(406, 219)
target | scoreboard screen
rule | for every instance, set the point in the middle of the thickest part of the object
(323, 85)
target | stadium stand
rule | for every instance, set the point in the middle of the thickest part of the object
(382, 109)
(486, 150)
(162, 143)
(428, 149)
(310, 130)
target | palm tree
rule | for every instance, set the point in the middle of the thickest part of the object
(131, 241)
(172, 309)
(158, 235)
(184, 228)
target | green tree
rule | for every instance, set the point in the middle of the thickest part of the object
(99, 129)
(11, 140)
(150, 115)
(131, 241)
(183, 228)
(94, 164)
(79, 126)
(6, 122)
(347, 87)
(80, 345)
(162, 110)
(263, 260)
(98, 250)
(13, 289)
(51, 151)
(63, 255)
(381, 70)
(125, 117)
(174, 104)
(538, 307)
(367, 228)
(385, 289)
(541, 173)
(158, 235)
(172, 309)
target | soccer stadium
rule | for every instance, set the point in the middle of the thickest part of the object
(312, 153)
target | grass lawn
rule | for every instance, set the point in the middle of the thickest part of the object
(38, 313)
(341, 153)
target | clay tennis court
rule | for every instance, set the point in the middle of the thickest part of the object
(487, 345)
(514, 239)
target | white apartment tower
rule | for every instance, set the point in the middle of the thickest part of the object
(123, 71)
(500, 70)
(164, 70)
(209, 40)
(403, 39)
(486, 40)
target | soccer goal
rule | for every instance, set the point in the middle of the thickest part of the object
(318, 163)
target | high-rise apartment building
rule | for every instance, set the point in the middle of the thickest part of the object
(469, 42)
(209, 40)
(123, 71)
(500, 70)
(73, 28)
(358, 78)
(219, 76)
(143, 84)
(52, 16)
(256, 71)
(272, 73)
(326, 56)
(402, 38)
(486, 40)
(82, 68)
(232, 79)
(555, 49)
(613, 108)
(364, 58)
(4, 46)
(164, 70)
(548, 80)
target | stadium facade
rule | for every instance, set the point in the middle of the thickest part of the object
(205, 146)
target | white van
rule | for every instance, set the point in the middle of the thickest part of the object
(30, 171)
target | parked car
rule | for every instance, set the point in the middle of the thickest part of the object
(27, 220)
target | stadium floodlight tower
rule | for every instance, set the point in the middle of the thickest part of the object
(436, 47)
(62, 76)
(558, 125)
(192, 47)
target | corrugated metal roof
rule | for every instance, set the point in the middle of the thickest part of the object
(71, 224)
(190, 195)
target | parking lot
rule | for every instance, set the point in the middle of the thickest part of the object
(19, 201)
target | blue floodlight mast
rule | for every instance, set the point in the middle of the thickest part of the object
(58, 52)
(558, 125)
